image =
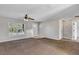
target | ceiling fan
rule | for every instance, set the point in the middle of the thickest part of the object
(27, 18)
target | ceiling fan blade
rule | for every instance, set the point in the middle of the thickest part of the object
(30, 18)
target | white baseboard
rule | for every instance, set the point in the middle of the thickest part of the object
(68, 38)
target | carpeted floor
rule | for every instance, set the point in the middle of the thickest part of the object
(39, 46)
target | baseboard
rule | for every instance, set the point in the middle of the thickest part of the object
(13, 39)
(67, 38)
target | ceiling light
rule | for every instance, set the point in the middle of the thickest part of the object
(26, 20)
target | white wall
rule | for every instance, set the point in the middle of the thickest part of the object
(31, 29)
(60, 28)
(67, 29)
(3, 29)
(78, 29)
(49, 29)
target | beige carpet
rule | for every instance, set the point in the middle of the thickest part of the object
(39, 46)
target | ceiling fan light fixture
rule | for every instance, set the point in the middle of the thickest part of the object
(26, 18)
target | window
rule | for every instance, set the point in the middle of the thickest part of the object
(16, 28)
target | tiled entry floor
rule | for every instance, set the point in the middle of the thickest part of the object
(39, 46)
